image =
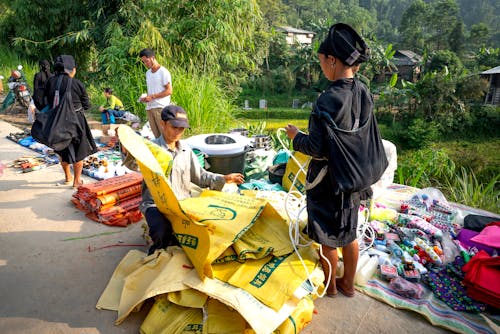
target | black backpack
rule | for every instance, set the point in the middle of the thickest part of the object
(58, 126)
(356, 157)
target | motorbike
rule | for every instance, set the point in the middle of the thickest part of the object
(19, 91)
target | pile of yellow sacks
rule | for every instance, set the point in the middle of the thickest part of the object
(236, 270)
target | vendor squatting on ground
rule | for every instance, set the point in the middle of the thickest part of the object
(186, 169)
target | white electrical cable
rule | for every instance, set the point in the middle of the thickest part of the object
(294, 222)
(364, 230)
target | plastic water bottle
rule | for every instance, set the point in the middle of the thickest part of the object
(367, 271)
(362, 261)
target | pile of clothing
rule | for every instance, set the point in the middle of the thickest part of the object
(482, 272)
(113, 201)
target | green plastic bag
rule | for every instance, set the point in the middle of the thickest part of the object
(9, 99)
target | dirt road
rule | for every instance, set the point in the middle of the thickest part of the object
(55, 263)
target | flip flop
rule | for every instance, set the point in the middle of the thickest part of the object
(331, 295)
(343, 291)
(64, 183)
(75, 187)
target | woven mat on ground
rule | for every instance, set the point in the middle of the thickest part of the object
(27, 164)
(437, 312)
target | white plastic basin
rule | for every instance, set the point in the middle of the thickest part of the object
(219, 144)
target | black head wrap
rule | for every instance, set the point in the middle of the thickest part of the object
(44, 67)
(64, 63)
(344, 43)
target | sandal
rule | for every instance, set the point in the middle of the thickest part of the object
(77, 185)
(344, 291)
(64, 183)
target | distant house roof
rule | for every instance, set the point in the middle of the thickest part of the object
(294, 35)
(494, 70)
(295, 30)
(406, 57)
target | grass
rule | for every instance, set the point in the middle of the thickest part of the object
(464, 188)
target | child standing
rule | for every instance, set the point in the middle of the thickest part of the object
(114, 108)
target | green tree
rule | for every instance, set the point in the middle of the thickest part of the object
(488, 58)
(442, 20)
(479, 35)
(217, 36)
(413, 26)
(380, 62)
(457, 39)
(44, 29)
(273, 12)
(441, 59)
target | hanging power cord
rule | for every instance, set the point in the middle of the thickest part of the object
(294, 217)
(294, 199)
(365, 231)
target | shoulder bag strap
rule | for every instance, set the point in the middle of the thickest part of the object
(56, 94)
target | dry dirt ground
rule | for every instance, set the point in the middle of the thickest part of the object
(55, 263)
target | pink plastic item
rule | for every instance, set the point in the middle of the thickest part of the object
(406, 289)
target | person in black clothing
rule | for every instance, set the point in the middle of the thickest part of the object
(39, 84)
(83, 143)
(333, 217)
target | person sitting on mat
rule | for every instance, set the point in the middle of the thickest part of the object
(113, 109)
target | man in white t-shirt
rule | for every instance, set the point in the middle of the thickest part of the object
(159, 84)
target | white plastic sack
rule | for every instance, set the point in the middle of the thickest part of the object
(388, 177)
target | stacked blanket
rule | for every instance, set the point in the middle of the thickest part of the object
(114, 201)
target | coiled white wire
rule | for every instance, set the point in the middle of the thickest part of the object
(364, 230)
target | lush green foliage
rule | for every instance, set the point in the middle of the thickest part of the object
(434, 168)
(219, 36)
(204, 99)
(464, 188)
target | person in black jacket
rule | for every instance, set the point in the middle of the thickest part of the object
(83, 143)
(333, 217)
(39, 84)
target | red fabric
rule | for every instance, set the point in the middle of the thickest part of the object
(482, 278)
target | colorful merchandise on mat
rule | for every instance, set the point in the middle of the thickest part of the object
(423, 252)
(104, 165)
(30, 163)
(25, 139)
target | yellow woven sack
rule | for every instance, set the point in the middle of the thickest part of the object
(272, 280)
(222, 319)
(168, 318)
(291, 171)
(163, 273)
(299, 319)
(110, 298)
(269, 234)
(205, 227)
(220, 221)
(188, 298)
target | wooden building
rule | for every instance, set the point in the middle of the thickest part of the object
(408, 64)
(297, 36)
(493, 95)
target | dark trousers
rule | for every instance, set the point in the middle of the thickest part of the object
(160, 230)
